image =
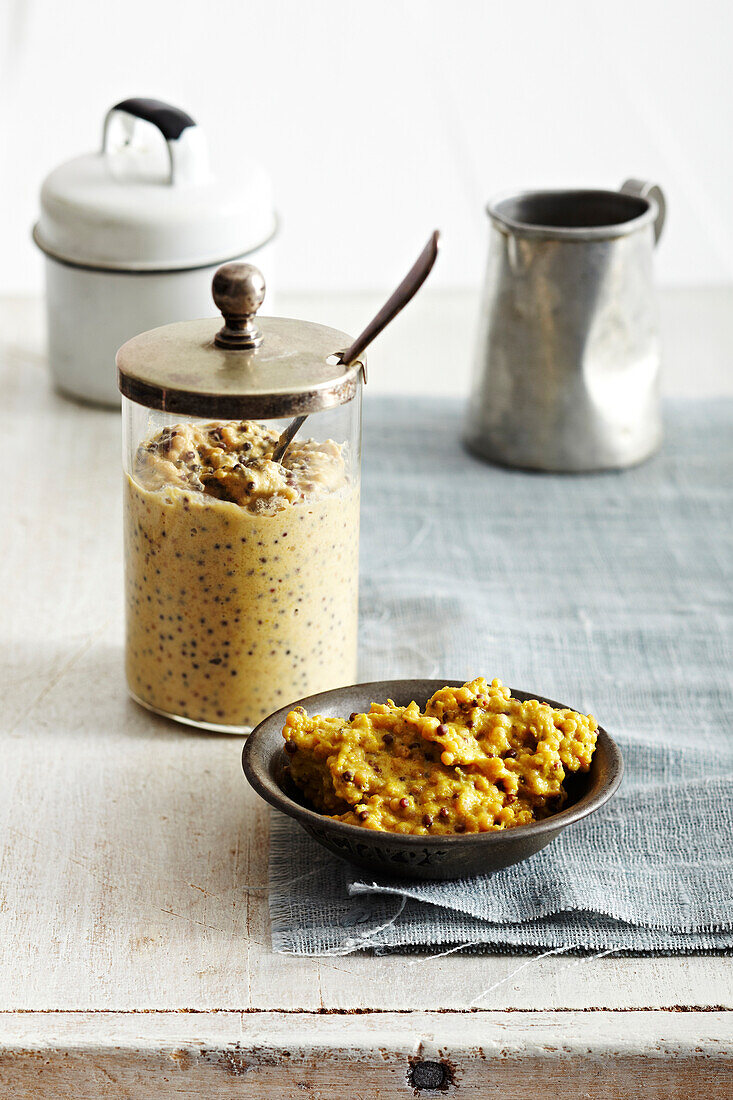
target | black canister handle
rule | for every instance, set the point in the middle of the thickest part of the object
(171, 121)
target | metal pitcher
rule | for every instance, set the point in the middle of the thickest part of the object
(567, 364)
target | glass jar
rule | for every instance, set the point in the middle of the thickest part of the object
(241, 571)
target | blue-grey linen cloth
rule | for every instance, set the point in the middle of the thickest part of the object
(610, 592)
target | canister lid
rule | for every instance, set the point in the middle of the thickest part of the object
(147, 201)
(252, 367)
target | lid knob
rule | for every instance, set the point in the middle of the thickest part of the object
(238, 291)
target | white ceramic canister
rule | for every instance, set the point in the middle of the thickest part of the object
(132, 236)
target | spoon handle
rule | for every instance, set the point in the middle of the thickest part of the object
(287, 437)
(407, 289)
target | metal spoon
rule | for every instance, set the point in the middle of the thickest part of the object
(407, 289)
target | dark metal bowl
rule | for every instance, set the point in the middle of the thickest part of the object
(417, 857)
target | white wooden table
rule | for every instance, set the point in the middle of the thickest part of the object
(134, 946)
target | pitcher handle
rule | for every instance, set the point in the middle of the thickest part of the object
(643, 189)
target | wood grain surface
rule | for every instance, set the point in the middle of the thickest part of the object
(133, 919)
(262, 1055)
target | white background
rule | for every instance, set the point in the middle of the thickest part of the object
(382, 119)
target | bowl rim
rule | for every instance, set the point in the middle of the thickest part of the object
(267, 789)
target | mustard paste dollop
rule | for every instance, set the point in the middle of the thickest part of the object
(475, 760)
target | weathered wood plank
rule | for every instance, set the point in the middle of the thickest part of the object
(659, 1055)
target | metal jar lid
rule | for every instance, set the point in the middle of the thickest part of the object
(252, 368)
